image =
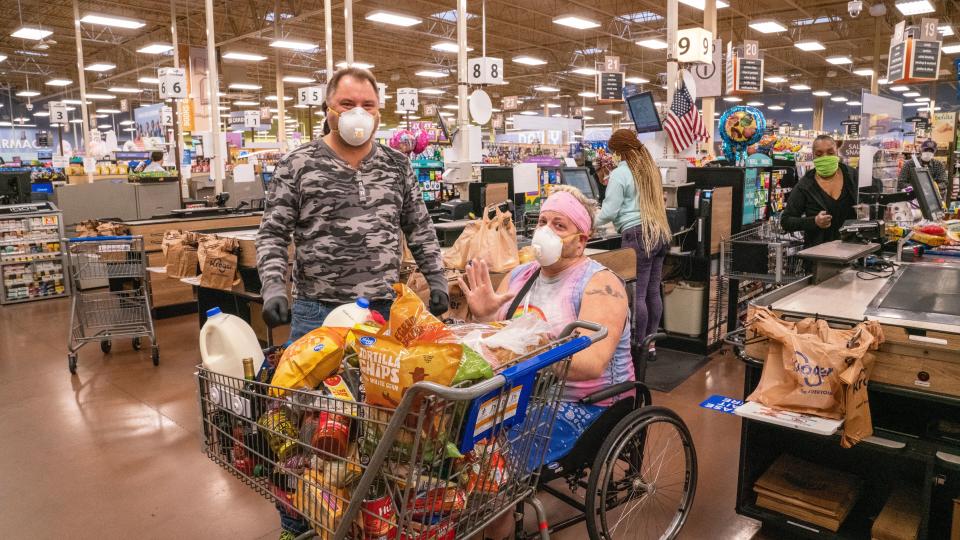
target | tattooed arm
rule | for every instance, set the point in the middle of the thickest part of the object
(604, 302)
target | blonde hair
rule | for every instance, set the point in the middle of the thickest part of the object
(654, 227)
(582, 199)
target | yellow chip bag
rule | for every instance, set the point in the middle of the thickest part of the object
(411, 321)
(310, 359)
(388, 369)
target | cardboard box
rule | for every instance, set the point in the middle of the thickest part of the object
(900, 518)
(806, 491)
(955, 530)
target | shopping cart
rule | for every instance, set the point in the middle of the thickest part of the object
(124, 309)
(444, 464)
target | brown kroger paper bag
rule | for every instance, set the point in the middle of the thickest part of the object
(805, 364)
(457, 255)
(496, 242)
(218, 266)
(180, 249)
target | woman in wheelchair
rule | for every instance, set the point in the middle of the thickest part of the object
(561, 286)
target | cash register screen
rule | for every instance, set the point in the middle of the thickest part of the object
(927, 194)
(580, 179)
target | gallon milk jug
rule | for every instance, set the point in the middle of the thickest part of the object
(225, 340)
(347, 315)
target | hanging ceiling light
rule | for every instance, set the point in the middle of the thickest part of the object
(110, 20)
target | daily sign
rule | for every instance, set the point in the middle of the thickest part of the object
(173, 83)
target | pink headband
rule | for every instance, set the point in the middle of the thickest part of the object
(568, 205)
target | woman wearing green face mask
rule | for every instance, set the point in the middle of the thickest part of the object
(824, 198)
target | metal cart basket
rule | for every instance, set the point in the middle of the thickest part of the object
(763, 253)
(445, 463)
(124, 309)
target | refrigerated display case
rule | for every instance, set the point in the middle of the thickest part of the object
(32, 259)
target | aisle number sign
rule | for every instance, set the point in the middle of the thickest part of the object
(251, 119)
(311, 95)
(173, 83)
(510, 103)
(166, 116)
(914, 54)
(382, 94)
(58, 112)
(695, 46)
(709, 76)
(407, 100)
(744, 68)
(485, 70)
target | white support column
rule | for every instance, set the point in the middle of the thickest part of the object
(348, 30)
(328, 37)
(709, 104)
(81, 79)
(213, 88)
(672, 18)
(463, 119)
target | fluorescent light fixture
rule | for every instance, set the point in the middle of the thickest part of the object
(586, 109)
(274, 98)
(914, 7)
(395, 19)
(553, 105)
(109, 20)
(529, 60)
(41, 113)
(76, 121)
(296, 79)
(451, 107)
(528, 113)
(799, 87)
(775, 79)
(109, 111)
(444, 114)
(587, 94)
(821, 93)
(27, 32)
(59, 82)
(3, 57)
(700, 3)
(558, 115)
(448, 46)
(809, 45)
(75, 101)
(918, 104)
(576, 22)
(945, 30)
(653, 43)
(614, 112)
(293, 45)
(900, 88)
(245, 86)
(362, 65)
(148, 80)
(101, 116)
(431, 74)
(864, 72)
(768, 27)
(803, 109)
(883, 80)
(755, 103)
(854, 103)
(242, 103)
(775, 107)
(636, 80)
(432, 91)
(126, 122)
(28, 93)
(273, 110)
(545, 88)
(952, 48)
(588, 118)
(155, 48)
(301, 106)
(585, 71)
(922, 99)
(100, 66)
(839, 60)
(839, 99)
(124, 90)
(249, 57)
(732, 99)
(911, 94)
(129, 129)
(104, 126)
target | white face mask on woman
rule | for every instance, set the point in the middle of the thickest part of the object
(926, 156)
(548, 245)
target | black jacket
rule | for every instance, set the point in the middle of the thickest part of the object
(807, 200)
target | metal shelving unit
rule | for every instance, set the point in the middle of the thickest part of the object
(32, 260)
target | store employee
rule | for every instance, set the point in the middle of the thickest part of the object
(345, 199)
(937, 171)
(824, 198)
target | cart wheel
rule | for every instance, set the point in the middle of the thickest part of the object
(105, 346)
(643, 479)
(136, 343)
(156, 355)
(72, 363)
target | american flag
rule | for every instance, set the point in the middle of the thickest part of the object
(683, 122)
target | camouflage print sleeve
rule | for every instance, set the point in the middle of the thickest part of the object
(418, 229)
(280, 214)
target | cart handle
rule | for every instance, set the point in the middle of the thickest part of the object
(99, 238)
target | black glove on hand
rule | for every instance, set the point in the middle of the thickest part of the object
(439, 302)
(276, 311)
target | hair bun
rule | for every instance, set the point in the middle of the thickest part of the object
(624, 139)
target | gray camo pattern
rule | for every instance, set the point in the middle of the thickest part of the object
(345, 247)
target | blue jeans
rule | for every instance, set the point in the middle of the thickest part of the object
(308, 315)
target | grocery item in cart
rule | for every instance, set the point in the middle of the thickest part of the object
(379, 513)
(410, 320)
(349, 315)
(280, 431)
(225, 340)
(320, 503)
(500, 344)
(310, 359)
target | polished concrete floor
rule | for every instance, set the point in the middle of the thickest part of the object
(114, 451)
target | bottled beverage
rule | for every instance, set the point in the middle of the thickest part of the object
(225, 340)
(348, 315)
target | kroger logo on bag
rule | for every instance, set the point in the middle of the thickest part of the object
(813, 374)
(318, 347)
(367, 341)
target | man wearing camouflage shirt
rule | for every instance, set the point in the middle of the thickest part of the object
(345, 199)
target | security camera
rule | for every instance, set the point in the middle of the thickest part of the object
(854, 7)
(29, 106)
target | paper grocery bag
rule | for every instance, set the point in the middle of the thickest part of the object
(218, 269)
(456, 256)
(496, 242)
(180, 250)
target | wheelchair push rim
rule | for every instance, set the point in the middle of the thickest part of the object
(643, 480)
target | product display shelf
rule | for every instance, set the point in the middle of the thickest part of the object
(429, 174)
(33, 262)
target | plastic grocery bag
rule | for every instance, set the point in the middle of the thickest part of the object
(814, 369)
(492, 239)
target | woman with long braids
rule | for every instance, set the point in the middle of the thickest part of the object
(634, 203)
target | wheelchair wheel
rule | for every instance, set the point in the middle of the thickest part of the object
(643, 479)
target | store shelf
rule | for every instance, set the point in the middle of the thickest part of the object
(35, 297)
(19, 241)
(35, 257)
(23, 273)
(44, 279)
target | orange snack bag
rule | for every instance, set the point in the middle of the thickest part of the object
(411, 321)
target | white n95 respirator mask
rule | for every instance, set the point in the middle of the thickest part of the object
(355, 126)
(926, 155)
(547, 246)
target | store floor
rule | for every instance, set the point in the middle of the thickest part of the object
(115, 451)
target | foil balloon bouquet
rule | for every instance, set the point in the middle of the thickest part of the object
(410, 142)
(740, 127)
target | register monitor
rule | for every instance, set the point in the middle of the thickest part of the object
(580, 178)
(643, 110)
(927, 192)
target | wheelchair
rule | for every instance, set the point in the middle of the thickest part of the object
(636, 465)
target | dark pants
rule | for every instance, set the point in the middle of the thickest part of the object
(647, 304)
(309, 314)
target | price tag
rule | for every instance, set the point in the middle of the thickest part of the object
(407, 100)
(485, 70)
(311, 95)
(611, 63)
(60, 162)
(173, 83)
(58, 112)
(251, 119)
(695, 46)
(382, 93)
(166, 116)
